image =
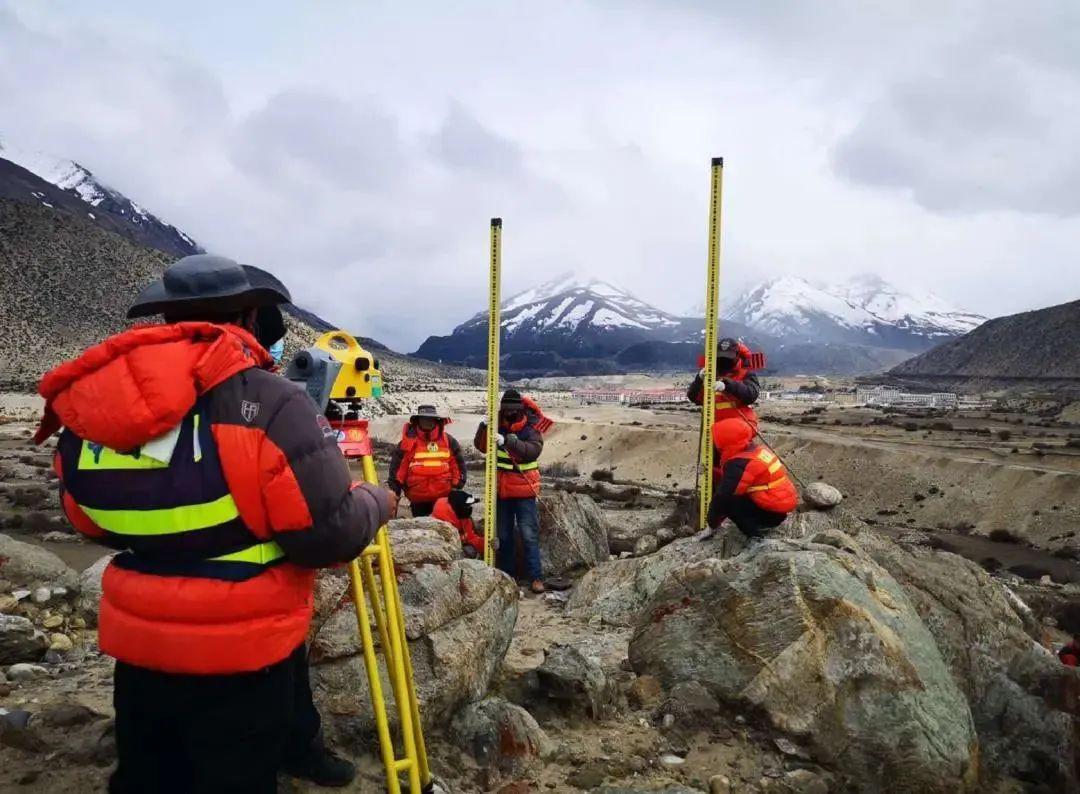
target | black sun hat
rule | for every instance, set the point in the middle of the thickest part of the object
(207, 283)
(427, 412)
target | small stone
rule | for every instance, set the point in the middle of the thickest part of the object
(8, 604)
(805, 781)
(66, 715)
(670, 759)
(788, 747)
(665, 535)
(645, 545)
(719, 784)
(588, 776)
(669, 720)
(21, 595)
(822, 495)
(26, 672)
(41, 595)
(53, 622)
(59, 592)
(78, 623)
(61, 643)
(646, 690)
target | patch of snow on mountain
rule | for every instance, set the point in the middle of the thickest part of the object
(610, 319)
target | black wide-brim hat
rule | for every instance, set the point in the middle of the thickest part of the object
(428, 412)
(211, 284)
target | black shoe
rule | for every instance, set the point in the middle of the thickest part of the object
(323, 768)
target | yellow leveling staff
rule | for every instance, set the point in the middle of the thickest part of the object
(390, 624)
(494, 330)
(712, 297)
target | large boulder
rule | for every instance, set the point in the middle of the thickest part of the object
(459, 620)
(573, 533)
(617, 591)
(1018, 691)
(27, 565)
(825, 644)
(20, 641)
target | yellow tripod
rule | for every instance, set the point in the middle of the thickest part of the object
(385, 601)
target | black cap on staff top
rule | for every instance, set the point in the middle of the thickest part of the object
(496, 221)
(718, 161)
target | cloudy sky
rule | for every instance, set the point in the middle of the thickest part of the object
(358, 149)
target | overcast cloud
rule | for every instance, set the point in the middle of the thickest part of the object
(359, 149)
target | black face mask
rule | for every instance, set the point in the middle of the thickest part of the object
(512, 418)
(269, 325)
(724, 365)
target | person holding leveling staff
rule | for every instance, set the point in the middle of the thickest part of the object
(519, 442)
(223, 487)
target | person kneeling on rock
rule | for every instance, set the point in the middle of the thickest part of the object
(456, 510)
(753, 489)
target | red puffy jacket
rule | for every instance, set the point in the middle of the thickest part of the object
(221, 483)
(465, 526)
(741, 389)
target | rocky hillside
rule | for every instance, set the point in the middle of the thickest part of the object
(64, 185)
(1036, 348)
(64, 283)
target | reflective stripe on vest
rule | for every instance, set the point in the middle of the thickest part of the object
(774, 464)
(165, 521)
(506, 463)
(260, 554)
(718, 406)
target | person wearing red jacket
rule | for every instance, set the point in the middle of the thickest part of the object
(427, 464)
(737, 387)
(223, 488)
(1070, 654)
(519, 442)
(753, 490)
(456, 510)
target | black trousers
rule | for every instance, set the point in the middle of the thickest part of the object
(212, 734)
(752, 521)
(421, 509)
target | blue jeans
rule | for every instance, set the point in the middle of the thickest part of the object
(524, 512)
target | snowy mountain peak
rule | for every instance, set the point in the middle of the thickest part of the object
(863, 310)
(86, 195)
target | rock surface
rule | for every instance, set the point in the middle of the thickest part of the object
(88, 602)
(618, 590)
(825, 644)
(500, 734)
(822, 495)
(576, 680)
(20, 641)
(1017, 690)
(573, 533)
(27, 565)
(459, 619)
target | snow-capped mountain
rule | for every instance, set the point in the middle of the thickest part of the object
(566, 317)
(865, 311)
(72, 188)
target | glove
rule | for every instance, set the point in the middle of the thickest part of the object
(500, 440)
(720, 385)
(701, 373)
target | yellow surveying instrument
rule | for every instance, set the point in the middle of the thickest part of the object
(494, 332)
(332, 373)
(712, 297)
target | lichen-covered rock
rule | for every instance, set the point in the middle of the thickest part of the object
(576, 680)
(826, 645)
(573, 533)
(459, 619)
(618, 590)
(501, 735)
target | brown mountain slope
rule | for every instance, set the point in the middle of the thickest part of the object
(66, 283)
(1036, 348)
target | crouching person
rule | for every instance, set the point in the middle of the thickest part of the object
(456, 510)
(753, 489)
(223, 488)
